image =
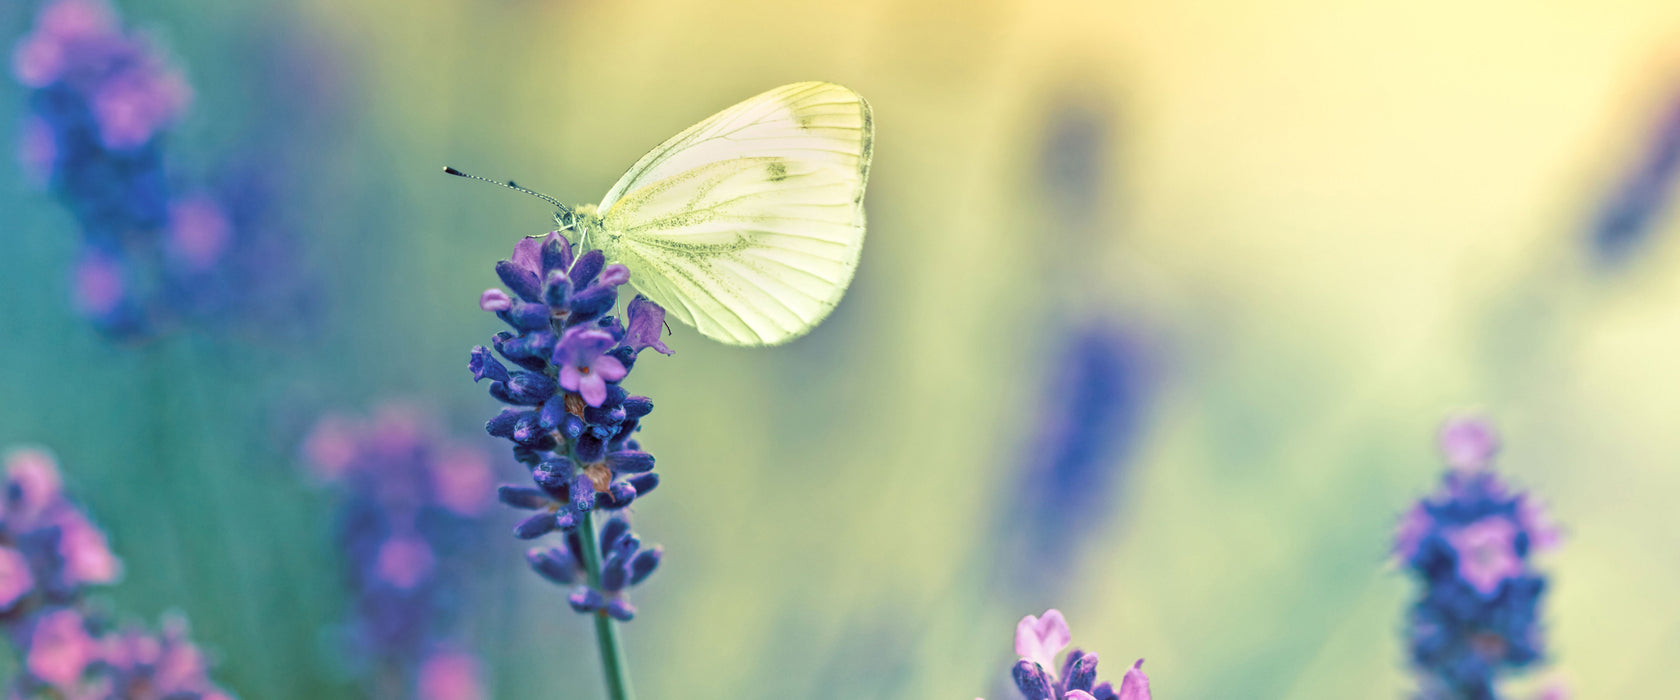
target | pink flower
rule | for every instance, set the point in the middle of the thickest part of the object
(461, 480)
(59, 649)
(1487, 553)
(331, 447)
(584, 366)
(35, 473)
(1468, 443)
(450, 675)
(199, 232)
(87, 555)
(16, 581)
(1040, 639)
(405, 561)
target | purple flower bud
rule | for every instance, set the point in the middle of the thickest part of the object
(630, 462)
(615, 275)
(615, 572)
(644, 483)
(572, 427)
(502, 425)
(644, 564)
(495, 300)
(554, 413)
(486, 366)
(530, 388)
(536, 525)
(553, 563)
(621, 610)
(1082, 675)
(521, 281)
(526, 317)
(585, 600)
(557, 291)
(556, 252)
(612, 531)
(590, 303)
(583, 493)
(1032, 681)
(522, 497)
(637, 406)
(590, 448)
(619, 495)
(586, 268)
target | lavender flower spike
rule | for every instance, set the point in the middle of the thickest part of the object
(1469, 545)
(1038, 640)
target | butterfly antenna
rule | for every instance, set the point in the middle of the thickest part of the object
(509, 184)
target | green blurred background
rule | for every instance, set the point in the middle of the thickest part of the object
(1332, 225)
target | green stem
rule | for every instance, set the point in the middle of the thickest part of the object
(613, 663)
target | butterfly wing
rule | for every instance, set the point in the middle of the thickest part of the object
(748, 225)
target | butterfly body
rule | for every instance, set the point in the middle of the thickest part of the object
(749, 225)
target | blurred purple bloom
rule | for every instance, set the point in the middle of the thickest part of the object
(49, 553)
(1468, 443)
(1469, 545)
(410, 527)
(451, 675)
(102, 99)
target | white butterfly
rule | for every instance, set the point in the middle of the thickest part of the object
(748, 225)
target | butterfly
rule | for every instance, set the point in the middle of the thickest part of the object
(748, 225)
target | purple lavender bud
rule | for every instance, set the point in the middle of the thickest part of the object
(557, 291)
(644, 483)
(553, 413)
(630, 462)
(502, 425)
(621, 610)
(1032, 681)
(590, 303)
(585, 600)
(522, 497)
(531, 388)
(612, 531)
(526, 317)
(1083, 673)
(620, 494)
(536, 525)
(586, 268)
(486, 366)
(615, 275)
(1104, 691)
(644, 564)
(572, 427)
(568, 521)
(637, 406)
(554, 564)
(528, 429)
(527, 254)
(556, 252)
(583, 493)
(495, 300)
(590, 447)
(1073, 657)
(627, 546)
(521, 281)
(615, 572)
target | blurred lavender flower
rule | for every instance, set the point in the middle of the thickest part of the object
(1038, 640)
(1642, 198)
(569, 421)
(102, 102)
(49, 553)
(1089, 423)
(1469, 544)
(410, 527)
